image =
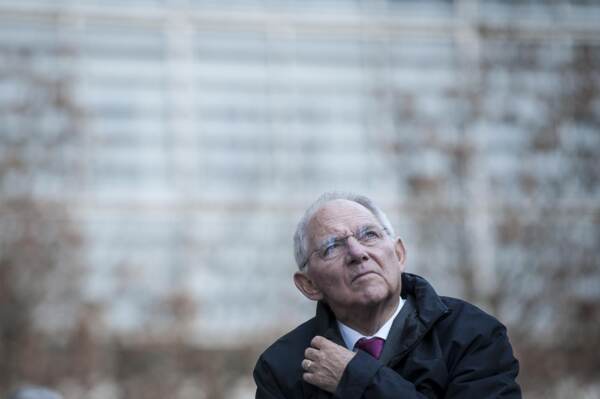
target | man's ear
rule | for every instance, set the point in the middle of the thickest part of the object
(400, 252)
(307, 287)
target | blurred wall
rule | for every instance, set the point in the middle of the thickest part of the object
(162, 152)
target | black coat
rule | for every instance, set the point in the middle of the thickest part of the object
(438, 347)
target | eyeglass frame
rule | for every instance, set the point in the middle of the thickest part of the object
(344, 239)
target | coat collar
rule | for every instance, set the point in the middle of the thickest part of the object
(427, 309)
(428, 304)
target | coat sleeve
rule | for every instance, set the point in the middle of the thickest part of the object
(486, 370)
(367, 378)
(266, 384)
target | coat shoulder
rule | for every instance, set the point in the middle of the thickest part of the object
(467, 327)
(279, 367)
(471, 317)
(290, 347)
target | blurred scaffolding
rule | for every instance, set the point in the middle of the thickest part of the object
(156, 155)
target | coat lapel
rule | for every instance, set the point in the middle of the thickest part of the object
(426, 309)
(395, 342)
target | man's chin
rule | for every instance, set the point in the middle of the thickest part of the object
(373, 294)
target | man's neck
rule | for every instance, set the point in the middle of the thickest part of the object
(369, 319)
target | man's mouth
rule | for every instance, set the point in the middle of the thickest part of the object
(362, 275)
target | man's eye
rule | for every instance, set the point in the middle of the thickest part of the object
(329, 250)
(369, 235)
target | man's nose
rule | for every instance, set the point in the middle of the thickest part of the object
(356, 251)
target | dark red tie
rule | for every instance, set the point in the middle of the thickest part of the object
(373, 346)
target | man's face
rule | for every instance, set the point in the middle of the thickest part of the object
(361, 275)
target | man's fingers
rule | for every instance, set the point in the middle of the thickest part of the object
(306, 363)
(311, 378)
(311, 353)
(324, 362)
(307, 377)
(318, 342)
(318, 381)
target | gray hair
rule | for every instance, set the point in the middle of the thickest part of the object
(300, 236)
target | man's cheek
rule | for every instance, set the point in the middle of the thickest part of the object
(330, 282)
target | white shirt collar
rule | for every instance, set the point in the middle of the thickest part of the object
(351, 336)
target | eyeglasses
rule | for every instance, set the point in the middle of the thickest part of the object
(335, 247)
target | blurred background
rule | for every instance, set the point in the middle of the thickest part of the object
(156, 155)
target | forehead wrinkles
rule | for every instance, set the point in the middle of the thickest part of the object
(338, 217)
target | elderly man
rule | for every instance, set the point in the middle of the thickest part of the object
(378, 333)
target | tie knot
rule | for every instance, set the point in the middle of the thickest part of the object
(373, 346)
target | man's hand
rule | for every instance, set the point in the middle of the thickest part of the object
(324, 363)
